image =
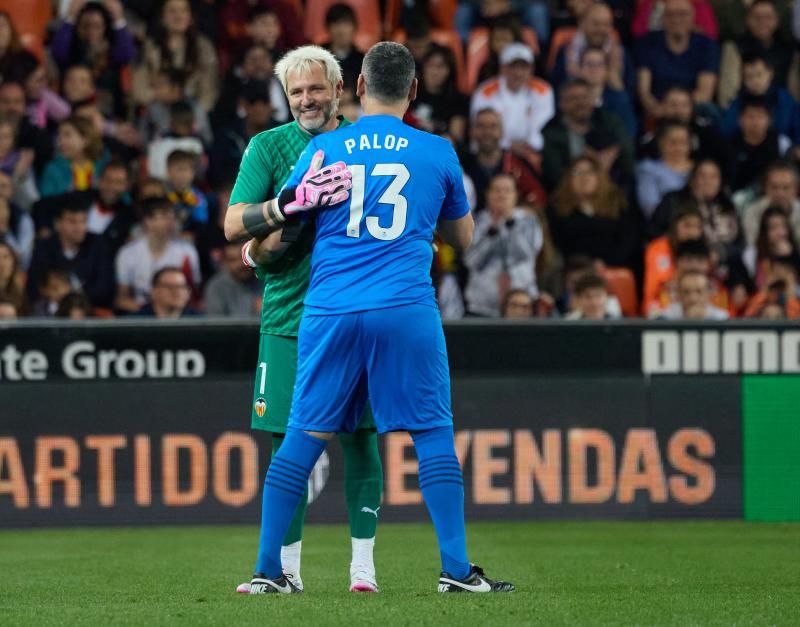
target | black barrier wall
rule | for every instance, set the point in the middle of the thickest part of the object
(119, 424)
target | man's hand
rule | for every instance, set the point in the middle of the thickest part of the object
(319, 188)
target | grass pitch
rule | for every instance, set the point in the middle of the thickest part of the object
(700, 573)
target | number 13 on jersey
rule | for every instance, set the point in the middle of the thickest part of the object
(391, 196)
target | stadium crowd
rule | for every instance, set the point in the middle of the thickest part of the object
(629, 158)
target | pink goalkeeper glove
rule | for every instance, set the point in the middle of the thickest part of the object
(319, 188)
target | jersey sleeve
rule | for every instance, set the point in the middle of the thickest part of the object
(455, 204)
(256, 174)
(302, 165)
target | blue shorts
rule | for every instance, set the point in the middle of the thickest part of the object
(396, 357)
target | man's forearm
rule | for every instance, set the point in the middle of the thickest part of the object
(258, 220)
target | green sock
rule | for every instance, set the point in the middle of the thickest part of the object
(363, 481)
(295, 532)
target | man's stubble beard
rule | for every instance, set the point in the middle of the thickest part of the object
(328, 112)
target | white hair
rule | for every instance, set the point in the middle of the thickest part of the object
(300, 60)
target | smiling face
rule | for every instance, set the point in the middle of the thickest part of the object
(312, 99)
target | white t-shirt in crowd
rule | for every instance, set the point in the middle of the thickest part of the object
(136, 265)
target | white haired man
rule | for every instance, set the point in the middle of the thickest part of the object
(312, 80)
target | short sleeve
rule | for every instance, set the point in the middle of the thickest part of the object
(254, 181)
(455, 204)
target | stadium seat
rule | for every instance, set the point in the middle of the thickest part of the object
(369, 21)
(478, 52)
(446, 39)
(622, 284)
(30, 19)
(559, 39)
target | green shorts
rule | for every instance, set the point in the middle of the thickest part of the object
(274, 385)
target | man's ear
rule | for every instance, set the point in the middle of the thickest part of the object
(338, 89)
(412, 92)
(360, 86)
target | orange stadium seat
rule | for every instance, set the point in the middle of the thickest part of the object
(30, 19)
(369, 21)
(446, 39)
(559, 39)
(622, 284)
(478, 52)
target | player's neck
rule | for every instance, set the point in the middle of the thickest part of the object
(372, 106)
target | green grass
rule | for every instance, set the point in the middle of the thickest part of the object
(700, 573)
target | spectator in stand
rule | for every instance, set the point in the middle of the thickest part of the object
(45, 107)
(721, 225)
(472, 14)
(77, 86)
(781, 289)
(11, 49)
(28, 137)
(74, 306)
(694, 255)
(659, 256)
(79, 161)
(504, 30)
(168, 89)
(574, 268)
(255, 67)
(191, 205)
(707, 140)
(761, 39)
(651, 15)
(418, 38)
(158, 248)
(111, 212)
(176, 44)
(775, 239)
(758, 82)
(237, 29)
(16, 225)
(73, 250)
(588, 215)
(504, 249)
(693, 300)
(231, 141)
(439, 107)
(596, 30)
(182, 136)
(780, 190)
(264, 28)
(657, 177)
(234, 290)
(525, 102)
(676, 56)
(565, 135)
(96, 35)
(17, 165)
(755, 144)
(52, 287)
(341, 23)
(517, 305)
(487, 159)
(11, 288)
(590, 299)
(169, 295)
(594, 68)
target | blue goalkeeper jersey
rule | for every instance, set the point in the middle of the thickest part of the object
(374, 250)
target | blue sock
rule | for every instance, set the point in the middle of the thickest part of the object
(443, 490)
(284, 486)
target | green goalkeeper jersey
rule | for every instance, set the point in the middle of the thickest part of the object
(267, 162)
